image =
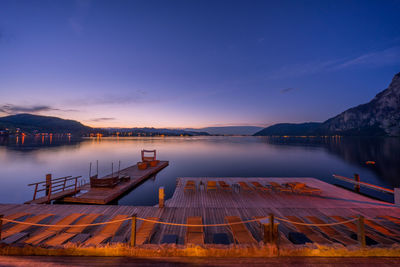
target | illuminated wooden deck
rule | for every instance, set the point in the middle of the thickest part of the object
(213, 207)
(103, 196)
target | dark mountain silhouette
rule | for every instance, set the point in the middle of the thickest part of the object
(30, 123)
(228, 130)
(379, 117)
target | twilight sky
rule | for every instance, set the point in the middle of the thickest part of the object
(195, 63)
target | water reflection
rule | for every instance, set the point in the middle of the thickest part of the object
(28, 160)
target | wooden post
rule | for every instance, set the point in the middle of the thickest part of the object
(1, 224)
(271, 227)
(361, 231)
(397, 196)
(161, 196)
(34, 194)
(49, 195)
(133, 231)
(270, 230)
(357, 186)
(48, 183)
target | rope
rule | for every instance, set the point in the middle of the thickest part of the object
(65, 225)
(316, 224)
(177, 224)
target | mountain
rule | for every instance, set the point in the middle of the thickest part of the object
(30, 123)
(228, 130)
(292, 129)
(379, 117)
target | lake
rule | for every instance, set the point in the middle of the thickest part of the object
(27, 160)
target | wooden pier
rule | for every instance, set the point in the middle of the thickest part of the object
(217, 205)
(102, 196)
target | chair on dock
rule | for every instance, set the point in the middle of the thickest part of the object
(239, 231)
(331, 232)
(279, 188)
(146, 231)
(315, 236)
(190, 185)
(108, 231)
(51, 231)
(148, 158)
(371, 238)
(195, 234)
(71, 232)
(302, 188)
(211, 185)
(224, 186)
(259, 186)
(22, 227)
(244, 186)
(381, 229)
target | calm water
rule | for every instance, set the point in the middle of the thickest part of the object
(26, 161)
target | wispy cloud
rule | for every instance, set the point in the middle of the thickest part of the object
(103, 119)
(10, 109)
(374, 59)
(287, 90)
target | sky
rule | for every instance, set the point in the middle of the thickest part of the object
(195, 63)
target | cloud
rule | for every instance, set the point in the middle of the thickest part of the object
(374, 59)
(381, 58)
(102, 119)
(11, 109)
(287, 90)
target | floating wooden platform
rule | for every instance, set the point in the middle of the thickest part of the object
(103, 196)
(56, 196)
(215, 206)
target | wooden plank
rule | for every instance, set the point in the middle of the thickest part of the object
(108, 231)
(56, 196)
(21, 227)
(145, 231)
(53, 230)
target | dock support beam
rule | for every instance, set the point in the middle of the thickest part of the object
(357, 186)
(361, 231)
(397, 196)
(1, 224)
(161, 196)
(133, 231)
(48, 183)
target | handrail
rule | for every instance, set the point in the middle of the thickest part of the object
(371, 186)
(43, 182)
(59, 185)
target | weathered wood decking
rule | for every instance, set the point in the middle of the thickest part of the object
(103, 196)
(214, 206)
(56, 196)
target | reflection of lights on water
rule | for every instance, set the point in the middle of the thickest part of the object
(17, 139)
(23, 139)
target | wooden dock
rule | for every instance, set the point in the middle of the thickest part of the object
(332, 205)
(104, 196)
